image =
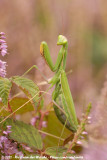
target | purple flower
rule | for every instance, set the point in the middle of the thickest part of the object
(89, 122)
(79, 142)
(27, 148)
(3, 45)
(2, 65)
(44, 124)
(72, 152)
(2, 68)
(84, 132)
(7, 132)
(9, 127)
(7, 146)
(89, 117)
(34, 120)
(2, 33)
(3, 52)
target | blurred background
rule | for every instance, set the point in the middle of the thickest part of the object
(84, 23)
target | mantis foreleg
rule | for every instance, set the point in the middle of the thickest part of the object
(44, 50)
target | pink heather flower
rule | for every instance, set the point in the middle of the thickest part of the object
(2, 33)
(27, 148)
(3, 45)
(34, 120)
(89, 117)
(3, 52)
(44, 124)
(7, 146)
(79, 142)
(9, 127)
(2, 65)
(2, 68)
(5, 132)
(81, 137)
(84, 132)
(73, 151)
(89, 122)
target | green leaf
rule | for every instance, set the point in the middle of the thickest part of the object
(15, 103)
(5, 86)
(57, 152)
(24, 133)
(52, 122)
(28, 87)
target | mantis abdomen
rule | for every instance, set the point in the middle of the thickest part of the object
(60, 101)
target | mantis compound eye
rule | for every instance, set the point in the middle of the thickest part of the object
(61, 40)
(42, 49)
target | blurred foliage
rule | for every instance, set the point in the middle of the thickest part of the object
(99, 50)
(54, 127)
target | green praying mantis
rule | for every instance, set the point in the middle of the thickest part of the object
(62, 99)
(61, 95)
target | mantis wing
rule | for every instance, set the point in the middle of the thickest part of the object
(67, 100)
(61, 109)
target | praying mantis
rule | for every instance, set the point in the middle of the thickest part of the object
(61, 95)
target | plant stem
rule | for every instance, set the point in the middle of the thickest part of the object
(80, 129)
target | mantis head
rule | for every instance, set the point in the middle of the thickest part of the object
(61, 40)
